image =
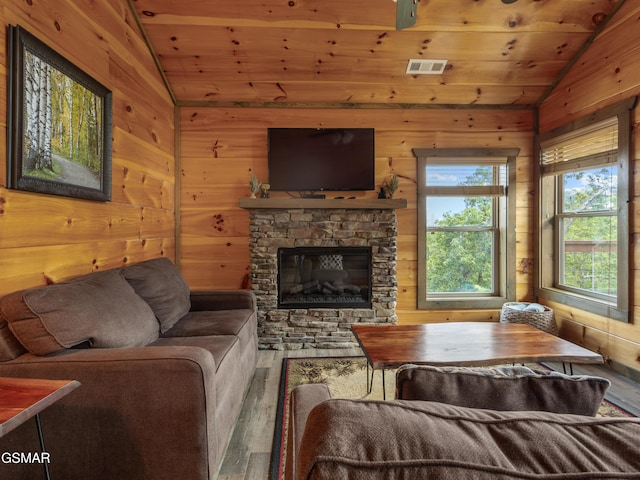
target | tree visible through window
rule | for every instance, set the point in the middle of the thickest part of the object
(461, 238)
(465, 214)
(588, 226)
(584, 213)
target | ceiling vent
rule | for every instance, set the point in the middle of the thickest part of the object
(425, 67)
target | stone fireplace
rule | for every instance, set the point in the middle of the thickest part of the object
(337, 262)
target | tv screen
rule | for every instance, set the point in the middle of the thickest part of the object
(316, 159)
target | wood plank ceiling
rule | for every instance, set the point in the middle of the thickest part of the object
(332, 52)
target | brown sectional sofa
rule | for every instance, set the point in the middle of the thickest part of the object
(333, 439)
(163, 373)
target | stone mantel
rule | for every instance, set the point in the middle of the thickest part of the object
(322, 203)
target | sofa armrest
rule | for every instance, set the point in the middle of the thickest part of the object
(382, 440)
(302, 401)
(223, 300)
(150, 412)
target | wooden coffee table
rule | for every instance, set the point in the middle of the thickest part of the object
(463, 344)
(24, 398)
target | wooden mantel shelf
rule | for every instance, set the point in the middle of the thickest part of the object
(289, 203)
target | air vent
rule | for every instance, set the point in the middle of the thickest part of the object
(425, 67)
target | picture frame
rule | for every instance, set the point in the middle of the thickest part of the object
(59, 123)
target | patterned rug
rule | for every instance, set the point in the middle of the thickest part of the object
(346, 377)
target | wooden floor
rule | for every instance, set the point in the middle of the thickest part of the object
(249, 452)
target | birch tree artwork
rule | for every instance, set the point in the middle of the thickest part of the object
(59, 123)
(62, 126)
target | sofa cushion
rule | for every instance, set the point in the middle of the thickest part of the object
(10, 347)
(502, 388)
(101, 309)
(394, 440)
(218, 345)
(163, 287)
(216, 322)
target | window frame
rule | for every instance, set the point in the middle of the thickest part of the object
(548, 265)
(504, 251)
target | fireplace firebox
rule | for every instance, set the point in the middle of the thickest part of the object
(324, 277)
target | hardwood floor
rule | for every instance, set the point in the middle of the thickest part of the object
(249, 453)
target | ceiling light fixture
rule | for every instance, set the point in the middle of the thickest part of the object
(406, 13)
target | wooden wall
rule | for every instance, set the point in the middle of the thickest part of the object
(49, 238)
(220, 147)
(607, 73)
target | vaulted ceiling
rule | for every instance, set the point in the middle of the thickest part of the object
(341, 53)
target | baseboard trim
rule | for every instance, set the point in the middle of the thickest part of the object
(624, 370)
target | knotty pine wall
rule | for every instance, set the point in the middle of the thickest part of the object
(220, 147)
(608, 72)
(46, 238)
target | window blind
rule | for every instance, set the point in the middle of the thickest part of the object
(597, 143)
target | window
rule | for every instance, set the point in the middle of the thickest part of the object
(584, 214)
(466, 209)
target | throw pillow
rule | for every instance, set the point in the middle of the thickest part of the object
(163, 287)
(502, 388)
(101, 309)
(10, 347)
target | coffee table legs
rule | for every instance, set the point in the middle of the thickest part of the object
(370, 381)
(42, 449)
(370, 378)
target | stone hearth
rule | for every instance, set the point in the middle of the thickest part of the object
(308, 224)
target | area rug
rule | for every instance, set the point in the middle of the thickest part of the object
(346, 377)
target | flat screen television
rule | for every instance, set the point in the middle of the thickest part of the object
(319, 159)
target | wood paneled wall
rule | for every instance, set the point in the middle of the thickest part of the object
(607, 73)
(46, 238)
(220, 147)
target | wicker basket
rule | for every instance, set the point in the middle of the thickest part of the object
(545, 321)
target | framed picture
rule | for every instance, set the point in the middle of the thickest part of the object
(59, 123)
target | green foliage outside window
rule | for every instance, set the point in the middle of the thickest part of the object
(459, 262)
(460, 244)
(589, 226)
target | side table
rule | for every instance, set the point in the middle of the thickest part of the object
(23, 398)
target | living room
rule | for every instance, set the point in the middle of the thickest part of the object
(182, 152)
